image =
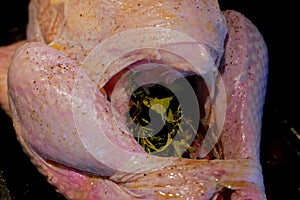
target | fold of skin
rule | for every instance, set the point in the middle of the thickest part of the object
(6, 53)
(41, 79)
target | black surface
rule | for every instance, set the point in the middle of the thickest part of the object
(280, 148)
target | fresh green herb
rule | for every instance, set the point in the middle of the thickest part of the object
(167, 132)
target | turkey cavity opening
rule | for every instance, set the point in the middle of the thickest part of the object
(171, 120)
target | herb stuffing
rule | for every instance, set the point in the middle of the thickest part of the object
(157, 122)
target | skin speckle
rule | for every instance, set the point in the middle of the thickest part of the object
(49, 101)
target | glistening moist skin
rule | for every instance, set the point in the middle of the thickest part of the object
(41, 82)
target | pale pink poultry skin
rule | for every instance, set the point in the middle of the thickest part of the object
(42, 72)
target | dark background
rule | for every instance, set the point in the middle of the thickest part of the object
(280, 146)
